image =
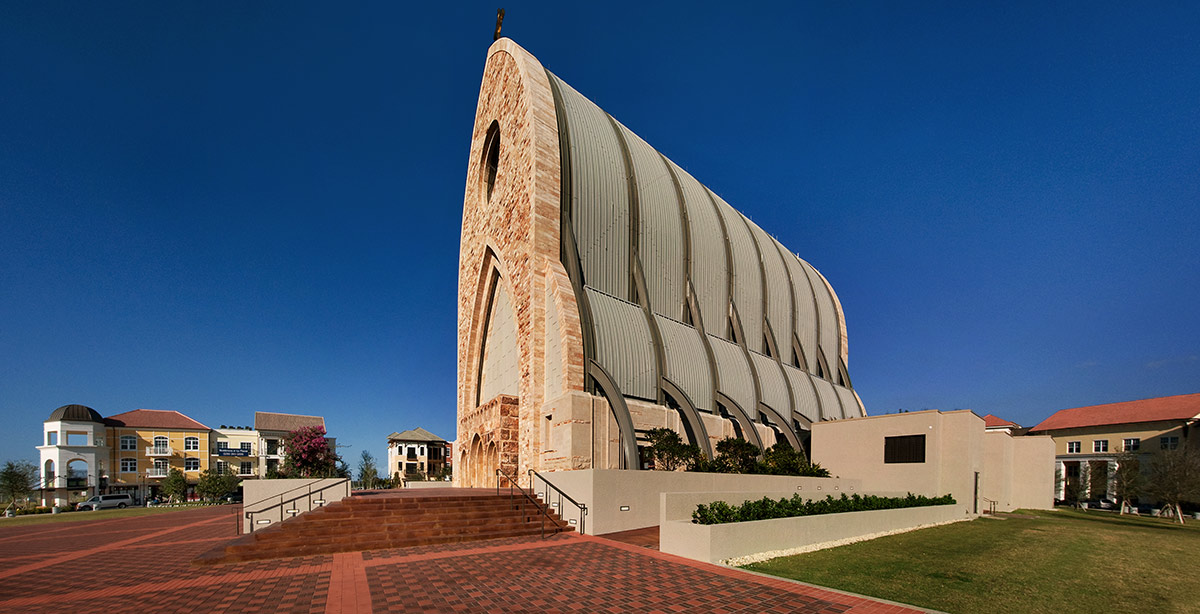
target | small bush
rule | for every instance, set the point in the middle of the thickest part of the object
(32, 510)
(720, 512)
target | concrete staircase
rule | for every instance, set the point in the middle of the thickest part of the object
(359, 523)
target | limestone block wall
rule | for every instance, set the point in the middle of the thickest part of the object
(510, 237)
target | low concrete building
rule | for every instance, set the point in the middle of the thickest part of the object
(1094, 436)
(417, 453)
(935, 453)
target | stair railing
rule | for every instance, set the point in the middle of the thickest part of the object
(583, 511)
(991, 505)
(512, 482)
(254, 522)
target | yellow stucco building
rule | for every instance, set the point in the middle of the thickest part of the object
(1093, 436)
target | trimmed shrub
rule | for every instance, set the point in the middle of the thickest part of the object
(720, 512)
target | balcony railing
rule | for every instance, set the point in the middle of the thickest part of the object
(159, 451)
(157, 472)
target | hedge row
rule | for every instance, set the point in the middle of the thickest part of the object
(720, 512)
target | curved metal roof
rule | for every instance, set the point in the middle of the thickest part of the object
(646, 237)
(75, 413)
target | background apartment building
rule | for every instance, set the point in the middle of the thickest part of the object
(1093, 436)
(272, 428)
(83, 453)
(417, 453)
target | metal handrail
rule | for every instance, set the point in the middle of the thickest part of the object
(249, 515)
(583, 511)
(991, 504)
(528, 497)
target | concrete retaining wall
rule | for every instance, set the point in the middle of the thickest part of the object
(718, 542)
(301, 495)
(620, 500)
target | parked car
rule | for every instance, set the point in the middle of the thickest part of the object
(100, 502)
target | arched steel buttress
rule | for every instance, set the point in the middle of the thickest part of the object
(785, 426)
(620, 410)
(743, 419)
(692, 417)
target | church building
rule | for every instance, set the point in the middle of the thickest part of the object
(604, 291)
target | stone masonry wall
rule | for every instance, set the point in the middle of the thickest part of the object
(515, 232)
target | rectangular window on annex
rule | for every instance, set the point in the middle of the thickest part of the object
(1168, 443)
(904, 449)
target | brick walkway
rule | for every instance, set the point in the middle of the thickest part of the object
(142, 564)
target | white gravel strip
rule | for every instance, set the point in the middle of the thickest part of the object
(771, 554)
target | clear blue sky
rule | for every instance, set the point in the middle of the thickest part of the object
(223, 208)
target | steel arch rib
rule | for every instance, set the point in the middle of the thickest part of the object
(784, 425)
(690, 414)
(742, 418)
(620, 410)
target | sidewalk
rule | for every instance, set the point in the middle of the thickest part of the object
(142, 564)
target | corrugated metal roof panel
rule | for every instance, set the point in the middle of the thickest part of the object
(709, 272)
(624, 347)
(771, 383)
(804, 393)
(778, 291)
(829, 398)
(806, 309)
(851, 406)
(599, 195)
(687, 362)
(827, 333)
(660, 229)
(736, 380)
(747, 274)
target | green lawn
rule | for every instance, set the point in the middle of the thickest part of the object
(1059, 562)
(77, 516)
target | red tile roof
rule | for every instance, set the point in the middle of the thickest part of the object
(1179, 407)
(155, 418)
(992, 422)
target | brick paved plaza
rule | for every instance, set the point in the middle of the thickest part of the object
(143, 564)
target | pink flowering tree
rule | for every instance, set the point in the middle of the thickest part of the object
(307, 454)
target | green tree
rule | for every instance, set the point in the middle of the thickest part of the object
(215, 483)
(175, 485)
(1175, 478)
(669, 451)
(736, 455)
(368, 473)
(17, 480)
(307, 454)
(1125, 473)
(783, 459)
